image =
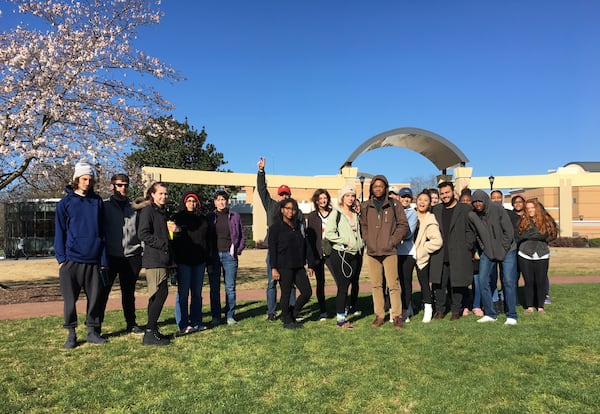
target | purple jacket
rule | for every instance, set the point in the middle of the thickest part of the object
(236, 230)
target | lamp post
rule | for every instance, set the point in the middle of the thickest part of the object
(362, 188)
(491, 178)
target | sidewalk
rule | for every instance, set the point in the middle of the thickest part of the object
(39, 309)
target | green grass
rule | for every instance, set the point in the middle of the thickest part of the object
(546, 364)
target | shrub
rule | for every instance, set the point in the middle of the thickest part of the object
(570, 242)
(594, 242)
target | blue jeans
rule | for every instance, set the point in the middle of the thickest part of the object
(226, 263)
(189, 281)
(272, 291)
(476, 292)
(509, 284)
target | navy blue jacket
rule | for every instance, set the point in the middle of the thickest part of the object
(79, 229)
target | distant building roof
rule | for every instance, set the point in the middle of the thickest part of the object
(586, 165)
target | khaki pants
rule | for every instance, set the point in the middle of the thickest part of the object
(378, 266)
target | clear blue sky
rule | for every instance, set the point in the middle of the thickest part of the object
(513, 84)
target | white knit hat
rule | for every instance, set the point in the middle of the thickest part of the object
(83, 167)
(347, 189)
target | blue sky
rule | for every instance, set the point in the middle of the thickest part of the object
(515, 85)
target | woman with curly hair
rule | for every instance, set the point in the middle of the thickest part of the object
(535, 230)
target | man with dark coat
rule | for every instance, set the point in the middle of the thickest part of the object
(451, 268)
(495, 235)
(384, 226)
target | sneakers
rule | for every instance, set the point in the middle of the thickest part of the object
(135, 329)
(485, 319)
(323, 316)
(466, 312)
(427, 313)
(344, 325)
(231, 321)
(529, 311)
(199, 328)
(153, 337)
(478, 312)
(351, 311)
(93, 337)
(71, 340)
(271, 317)
(547, 301)
(378, 322)
(510, 321)
(189, 329)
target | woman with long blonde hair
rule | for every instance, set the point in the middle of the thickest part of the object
(535, 230)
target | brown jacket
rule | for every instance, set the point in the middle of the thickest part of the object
(382, 230)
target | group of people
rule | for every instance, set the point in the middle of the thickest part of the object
(96, 240)
(453, 241)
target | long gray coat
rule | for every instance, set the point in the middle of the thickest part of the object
(459, 244)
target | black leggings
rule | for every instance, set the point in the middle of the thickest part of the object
(289, 278)
(320, 278)
(535, 273)
(423, 276)
(155, 305)
(345, 268)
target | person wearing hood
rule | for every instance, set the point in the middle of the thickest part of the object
(495, 235)
(191, 250)
(80, 248)
(451, 267)
(383, 225)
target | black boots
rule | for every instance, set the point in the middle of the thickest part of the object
(154, 337)
(71, 339)
(93, 336)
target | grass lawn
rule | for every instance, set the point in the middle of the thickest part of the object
(546, 364)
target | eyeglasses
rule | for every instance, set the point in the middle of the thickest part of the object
(121, 185)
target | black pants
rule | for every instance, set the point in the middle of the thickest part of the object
(155, 305)
(128, 269)
(293, 277)
(320, 279)
(535, 273)
(444, 288)
(423, 276)
(72, 278)
(406, 264)
(345, 268)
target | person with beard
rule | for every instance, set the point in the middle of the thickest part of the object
(124, 249)
(495, 235)
(80, 249)
(451, 268)
(384, 226)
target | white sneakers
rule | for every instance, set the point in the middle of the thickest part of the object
(427, 313)
(486, 319)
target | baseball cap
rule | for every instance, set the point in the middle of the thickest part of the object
(405, 192)
(393, 189)
(284, 189)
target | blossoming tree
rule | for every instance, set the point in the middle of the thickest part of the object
(69, 83)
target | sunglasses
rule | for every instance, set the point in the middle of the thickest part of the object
(121, 185)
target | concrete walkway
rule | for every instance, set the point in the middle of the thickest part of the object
(39, 309)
